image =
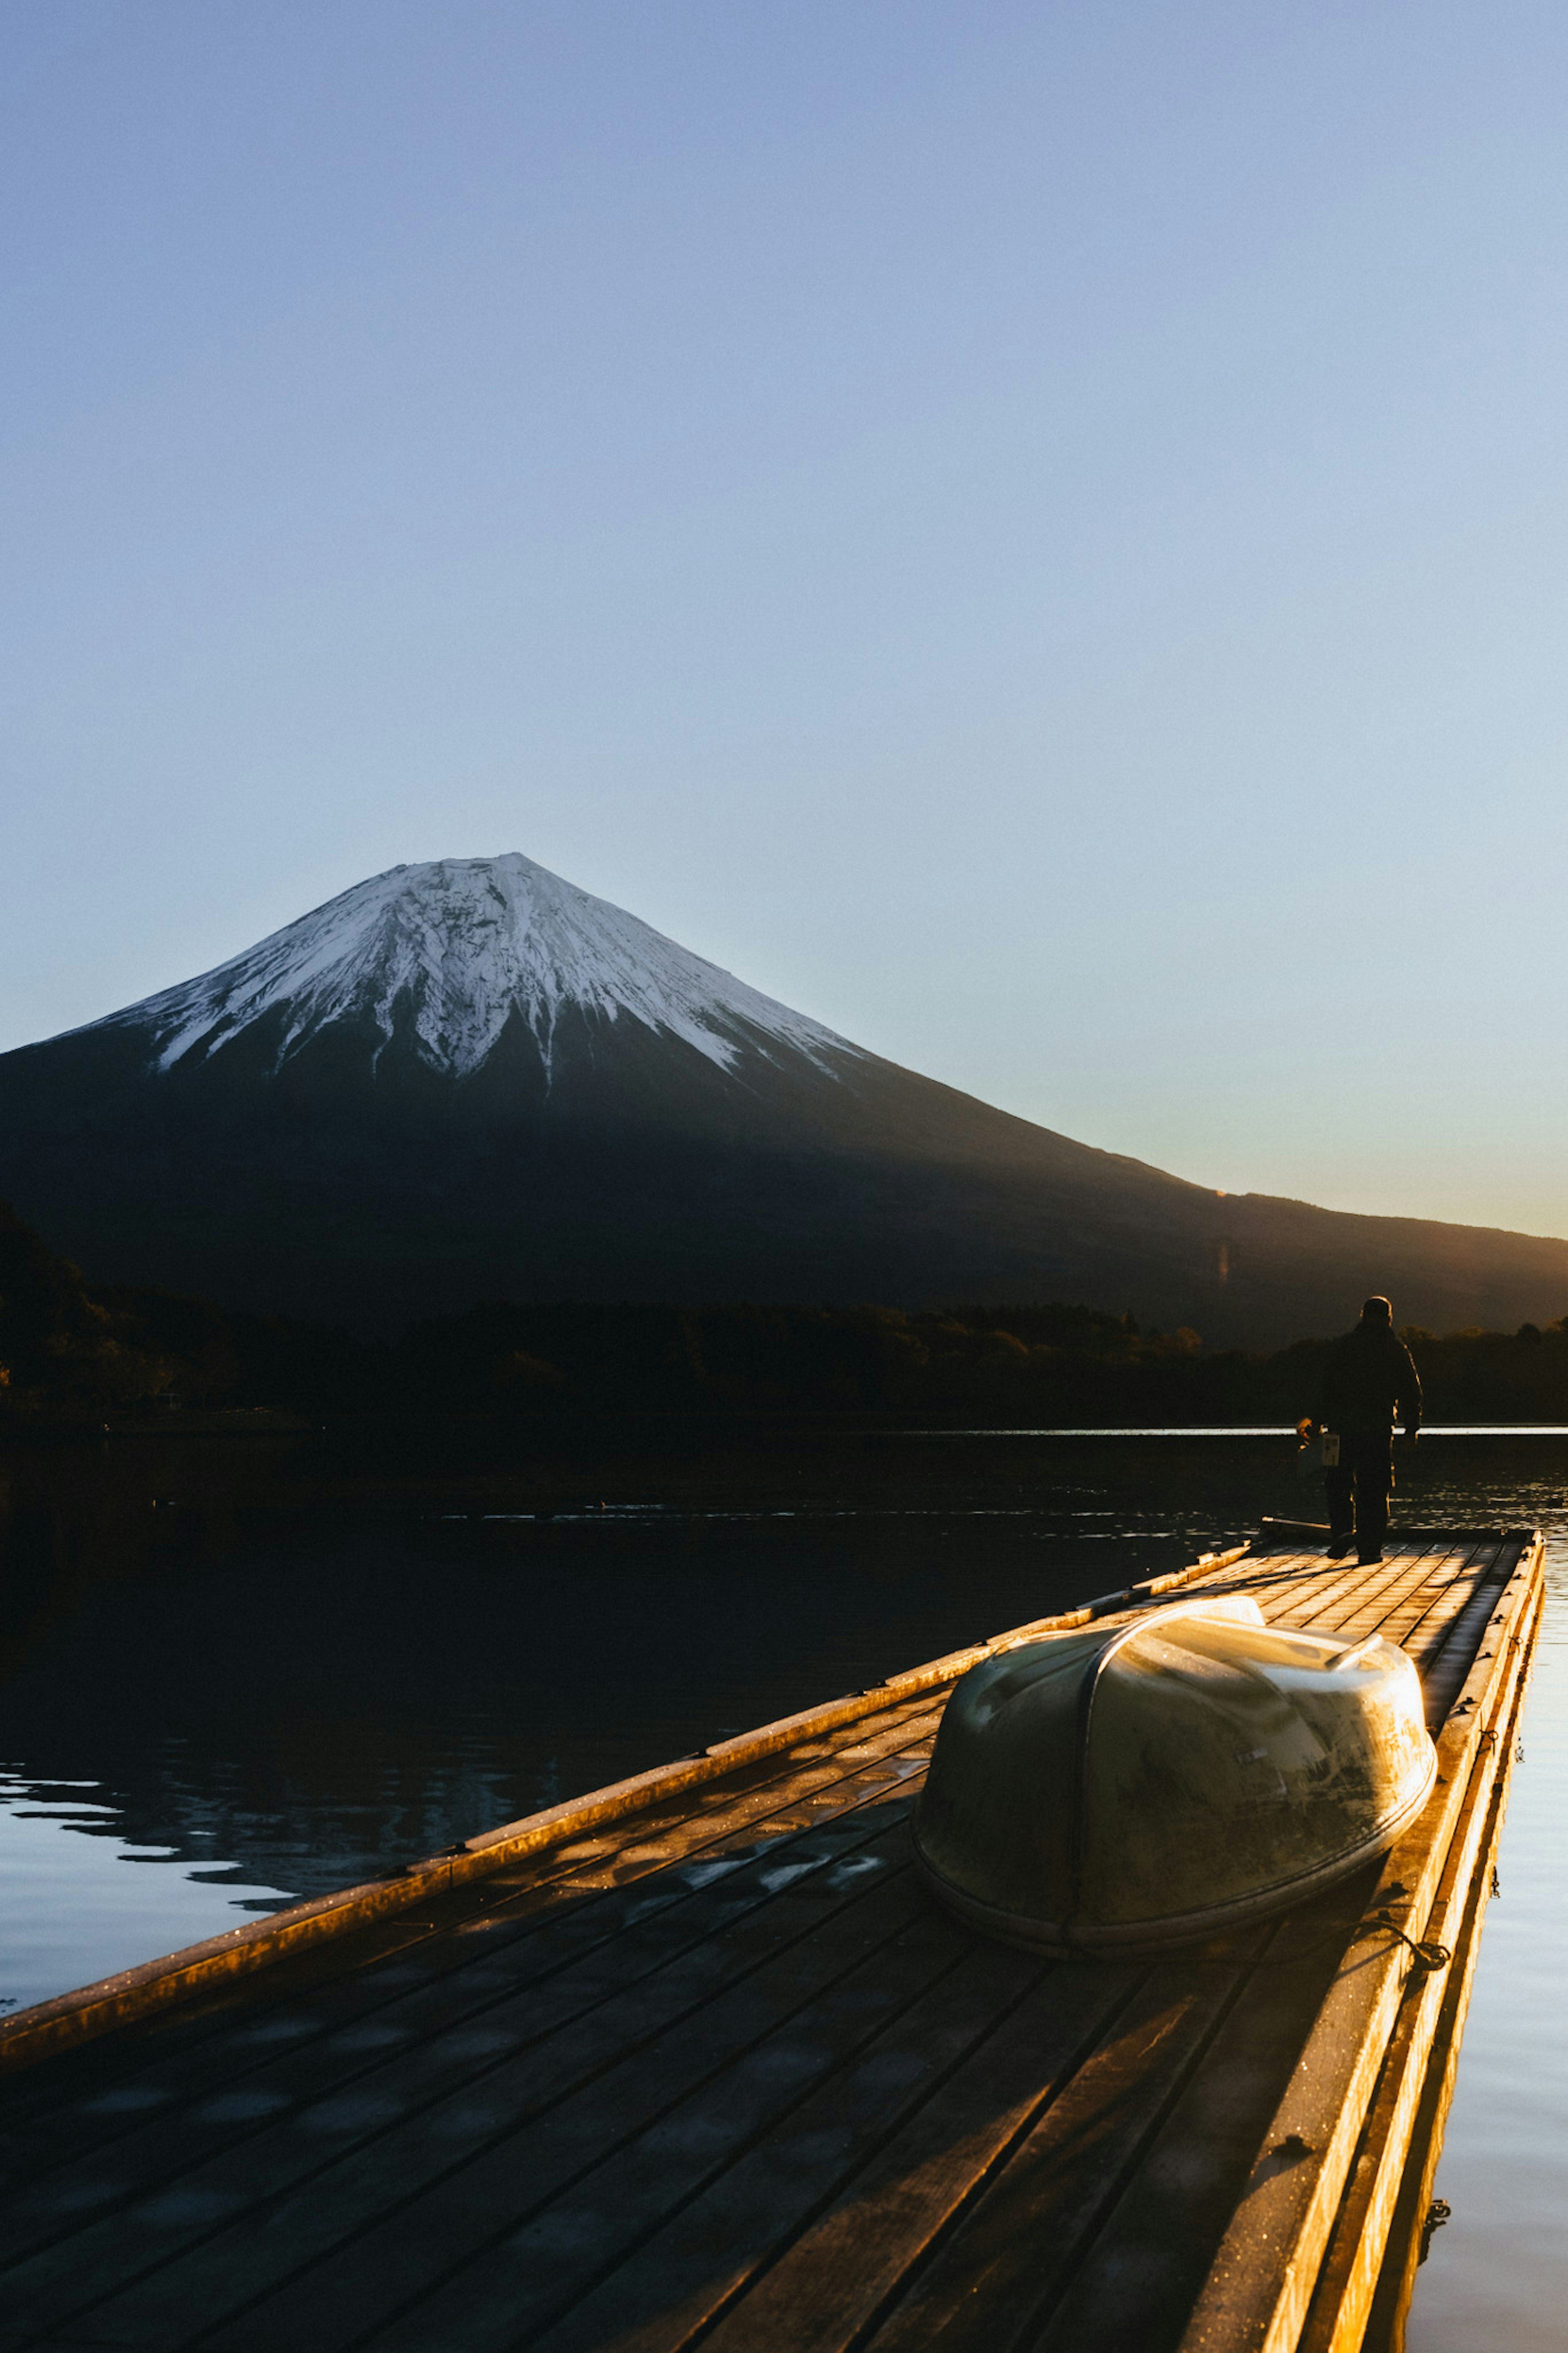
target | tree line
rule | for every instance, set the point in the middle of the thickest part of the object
(70, 1350)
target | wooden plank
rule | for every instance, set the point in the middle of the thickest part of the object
(48, 2026)
(1126, 2284)
(287, 2195)
(478, 1930)
(1427, 1618)
(1283, 1588)
(441, 2093)
(757, 2115)
(168, 2034)
(1117, 2325)
(30, 2034)
(1396, 2282)
(1256, 2293)
(541, 2206)
(1140, 2275)
(703, 2162)
(502, 1913)
(1001, 2266)
(1348, 2276)
(1327, 1596)
(458, 2030)
(600, 1863)
(1396, 1592)
(1431, 1615)
(909, 2131)
(1448, 1672)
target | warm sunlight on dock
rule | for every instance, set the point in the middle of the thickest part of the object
(696, 2058)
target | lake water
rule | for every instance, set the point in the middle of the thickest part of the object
(235, 1673)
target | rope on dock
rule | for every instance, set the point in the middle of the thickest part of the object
(1429, 1955)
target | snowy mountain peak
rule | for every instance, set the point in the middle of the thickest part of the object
(456, 948)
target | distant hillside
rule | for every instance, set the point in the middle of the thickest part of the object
(471, 1080)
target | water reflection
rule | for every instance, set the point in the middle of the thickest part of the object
(72, 1913)
(281, 1672)
(231, 1676)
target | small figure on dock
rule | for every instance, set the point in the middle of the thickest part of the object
(1369, 1378)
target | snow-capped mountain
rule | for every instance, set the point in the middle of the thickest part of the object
(451, 952)
(471, 1080)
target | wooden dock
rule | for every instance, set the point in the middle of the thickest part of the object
(696, 2061)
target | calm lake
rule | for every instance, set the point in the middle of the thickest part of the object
(236, 1673)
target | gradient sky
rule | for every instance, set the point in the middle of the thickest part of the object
(1038, 534)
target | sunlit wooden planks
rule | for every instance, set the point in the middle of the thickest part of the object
(1367, 2255)
(714, 2069)
(1267, 2270)
(198, 1971)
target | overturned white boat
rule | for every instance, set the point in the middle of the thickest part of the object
(1148, 1784)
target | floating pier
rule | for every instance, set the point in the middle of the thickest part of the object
(695, 2061)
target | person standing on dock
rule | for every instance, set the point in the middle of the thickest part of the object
(1368, 1379)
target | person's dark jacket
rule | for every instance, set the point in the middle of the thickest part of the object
(1367, 1379)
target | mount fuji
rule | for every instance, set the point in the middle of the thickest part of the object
(470, 1080)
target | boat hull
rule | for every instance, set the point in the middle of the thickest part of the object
(1169, 1780)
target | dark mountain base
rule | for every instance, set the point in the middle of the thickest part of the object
(626, 1218)
(369, 1187)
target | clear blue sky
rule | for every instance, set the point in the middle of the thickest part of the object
(1038, 534)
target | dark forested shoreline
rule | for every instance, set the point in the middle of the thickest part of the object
(72, 1351)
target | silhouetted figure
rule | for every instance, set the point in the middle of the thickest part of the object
(1367, 1380)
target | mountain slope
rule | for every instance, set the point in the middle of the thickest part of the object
(471, 1078)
